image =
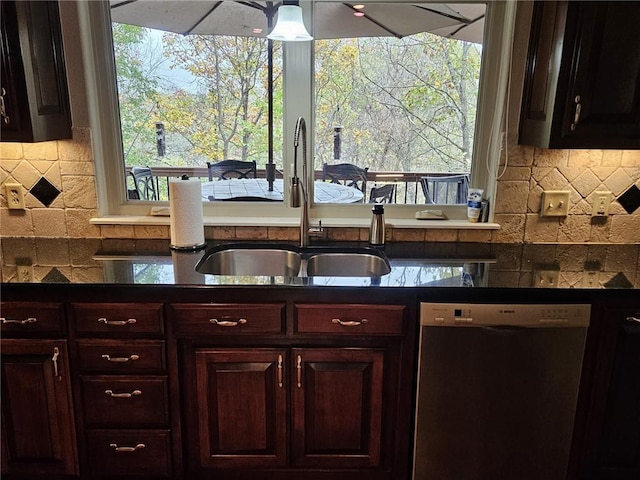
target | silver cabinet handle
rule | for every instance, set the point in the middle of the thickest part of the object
(20, 322)
(54, 359)
(117, 322)
(130, 358)
(576, 116)
(123, 395)
(299, 370)
(280, 371)
(3, 110)
(349, 323)
(228, 323)
(126, 449)
(633, 319)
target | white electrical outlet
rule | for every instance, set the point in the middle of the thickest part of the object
(15, 195)
(25, 273)
(555, 203)
(601, 204)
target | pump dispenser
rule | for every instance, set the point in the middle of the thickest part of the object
(377, 229)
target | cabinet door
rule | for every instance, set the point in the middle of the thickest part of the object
(582, 79)
(337, 407)
(34, 79)
(613, 426)
(241, 407)
(38, 435)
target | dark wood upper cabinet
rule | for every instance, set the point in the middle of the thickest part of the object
(34, 91)
(582, 79)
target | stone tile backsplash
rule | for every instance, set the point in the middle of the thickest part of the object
(60, 198)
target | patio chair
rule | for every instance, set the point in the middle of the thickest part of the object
(383, 194)
(146, 185)
(227, 169)
(450, 189)
(347, 174)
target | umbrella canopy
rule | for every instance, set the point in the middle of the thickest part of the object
(332, 19)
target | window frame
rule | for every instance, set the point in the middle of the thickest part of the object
(298, 61)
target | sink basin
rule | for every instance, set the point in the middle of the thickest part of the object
(281, 260)
(251, 260)
(347, 265)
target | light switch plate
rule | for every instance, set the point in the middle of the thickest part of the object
(555, 203)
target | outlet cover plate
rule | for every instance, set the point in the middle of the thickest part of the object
(15, 196)
(601, 203)
(555, 203)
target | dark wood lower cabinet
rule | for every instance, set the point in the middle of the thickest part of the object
(286, 413)
(38, 433)
(611, 442)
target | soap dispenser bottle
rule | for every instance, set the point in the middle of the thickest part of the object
(377, 229)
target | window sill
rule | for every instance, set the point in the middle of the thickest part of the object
(294, 222)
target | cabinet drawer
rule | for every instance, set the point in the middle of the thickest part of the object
(120, 356)
(25, 317)
(211, 319)
(129, 452)
(351, 319)
(125, 401)
(118, 318)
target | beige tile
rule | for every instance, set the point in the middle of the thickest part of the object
(220, 233)
(444, 235)
(550, 158)
(570, 173)
(503, 279)
(582, 207)
(407, 235)
(117, 231)
(74, 150)
(76, 168)
(511, 228)
(621, 258)
(49, 222)
(152, 231)
(87, 275)
(586, 183)
(13, 248)
(585, 158)
(554, 180)
(541, 229)
(619, 181)
(40, 150)
(625, 228)
(79, 192)
(519, 155)
(538, 173)
(53, 175)
(512, 197)
(516, 173)
(53, 252)
(26, 174)
(630, 158)
(283, 233)
(15, 223)
(10, 151)
(252, 233)
(575, 228)
(611, 158)
(603, 172)
(348, 234)
(534, 201)
(476, 236)
(42, 165)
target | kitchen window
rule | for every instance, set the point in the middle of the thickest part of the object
(300, 93)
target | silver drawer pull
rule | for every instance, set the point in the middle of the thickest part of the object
(126, 449)
(123, 395)
(349, 323)
(117, 322)
(20, 322)
(228, 323)
(633, 319)
(130, 358)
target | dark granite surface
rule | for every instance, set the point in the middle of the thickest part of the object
(151, 262)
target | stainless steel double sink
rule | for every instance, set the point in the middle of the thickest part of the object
(283, 260)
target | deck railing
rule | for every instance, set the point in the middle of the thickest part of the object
(408, 189)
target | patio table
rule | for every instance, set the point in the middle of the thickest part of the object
(258, 188)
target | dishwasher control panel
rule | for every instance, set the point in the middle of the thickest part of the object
(524, 315)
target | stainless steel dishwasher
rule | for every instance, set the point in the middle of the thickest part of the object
(497, 390)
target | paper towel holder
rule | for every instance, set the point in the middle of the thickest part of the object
(201, 243)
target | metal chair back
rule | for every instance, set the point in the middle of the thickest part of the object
(383, 194)
(446, 190)
(146, 185)
(346, 174)
(227, 169)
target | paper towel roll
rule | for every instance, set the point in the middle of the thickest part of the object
(185, 205)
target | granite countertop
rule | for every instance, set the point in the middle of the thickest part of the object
(151, 262)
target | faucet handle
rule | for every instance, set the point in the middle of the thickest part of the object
(317, 232)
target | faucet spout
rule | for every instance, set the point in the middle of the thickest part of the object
(299, 189)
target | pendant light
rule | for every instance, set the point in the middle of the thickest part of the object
(290, 27)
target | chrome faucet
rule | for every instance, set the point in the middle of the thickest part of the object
(300, 189)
